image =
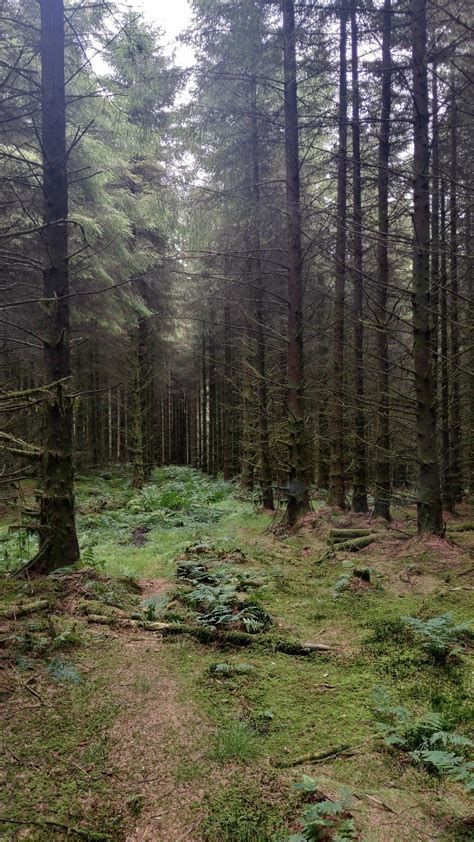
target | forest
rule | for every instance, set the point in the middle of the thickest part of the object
(236, 421)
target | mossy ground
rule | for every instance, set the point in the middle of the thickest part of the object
(120, 733)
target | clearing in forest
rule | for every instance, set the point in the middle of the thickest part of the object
(202, 678)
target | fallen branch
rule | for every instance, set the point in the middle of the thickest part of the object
(315, 758)
(377, 801)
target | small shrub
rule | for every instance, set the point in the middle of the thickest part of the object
(387, 631)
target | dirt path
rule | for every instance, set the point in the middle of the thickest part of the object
(152, 737)
(154, 730)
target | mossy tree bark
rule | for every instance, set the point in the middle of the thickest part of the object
(58, 539)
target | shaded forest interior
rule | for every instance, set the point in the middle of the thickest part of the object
(259, 266)
(237, 350)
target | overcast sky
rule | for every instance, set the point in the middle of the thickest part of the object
(172, 16)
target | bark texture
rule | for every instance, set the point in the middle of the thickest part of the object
(58, 539)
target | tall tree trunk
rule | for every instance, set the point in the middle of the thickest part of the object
(136, 427)
(435, 224)
(470, 343)
(455, 360)
(58, 539)
(447, 497)
(228, 408)
(212, 399)
(383, 482)
(298, 492)
(359, 492)
(337, 487)
(247, 473)
(429, 497)
(323, 448)
(204, 425)
(265, 470)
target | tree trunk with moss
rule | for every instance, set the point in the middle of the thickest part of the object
(58, 539)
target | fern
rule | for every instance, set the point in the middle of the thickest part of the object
(440, 636)
(426, 740)
(447, 763)
(64, 671)
(154, 605)
(227, 670)
(324, 817)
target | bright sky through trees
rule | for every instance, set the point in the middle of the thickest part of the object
(173, 18)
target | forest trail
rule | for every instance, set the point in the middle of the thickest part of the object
(117, 731)
(155, 729)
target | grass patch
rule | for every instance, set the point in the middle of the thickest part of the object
(234, 741)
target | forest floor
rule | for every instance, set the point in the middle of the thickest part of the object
(126, 718)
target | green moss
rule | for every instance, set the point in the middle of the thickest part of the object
(244, 811)
(61, 767)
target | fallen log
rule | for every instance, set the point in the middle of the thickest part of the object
(356, 544)
(206, 634)
(339, 535)
(21, 609)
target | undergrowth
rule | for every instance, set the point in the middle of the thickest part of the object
(427, 739)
